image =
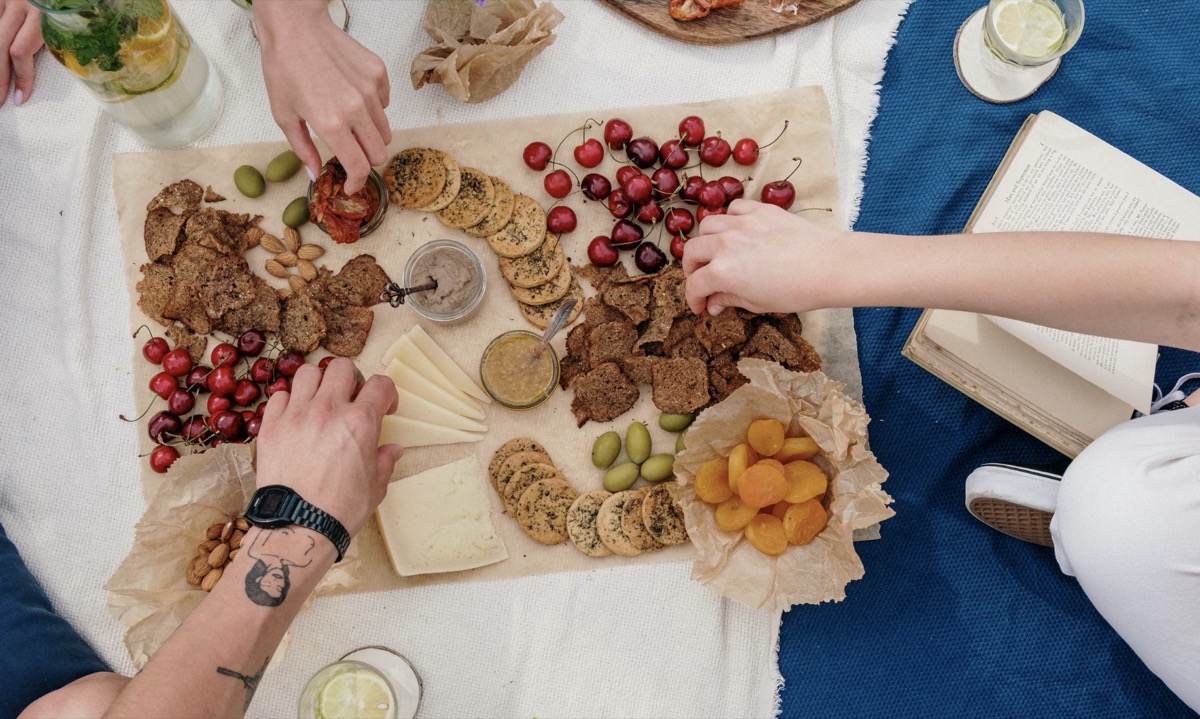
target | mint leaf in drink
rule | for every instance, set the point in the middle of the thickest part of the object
(98, 41)
(150, 9)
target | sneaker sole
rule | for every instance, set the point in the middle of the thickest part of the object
(1024, 523)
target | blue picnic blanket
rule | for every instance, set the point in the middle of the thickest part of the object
(952, 618)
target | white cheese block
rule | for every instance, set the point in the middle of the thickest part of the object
(408, 432)
(404, 350)
(407, 378)
(440, 521)
(415, 407)
(443, 362)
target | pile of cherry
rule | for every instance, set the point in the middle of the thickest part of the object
(650, 188)
(235, 383)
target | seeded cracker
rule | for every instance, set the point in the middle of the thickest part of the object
(581, 523)
(474, 200)
(546, 293)
(663, 517)
(632, 525)
(508, 449)
(450, 189)
(524, 477)
(346, 330)
(608, 526)
(540, 315)
(537, 267)
(414, 177)
(509, 467)
(524, 232)
(500, 214)
(542, 510)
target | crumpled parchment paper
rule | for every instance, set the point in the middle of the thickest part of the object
(482, 47)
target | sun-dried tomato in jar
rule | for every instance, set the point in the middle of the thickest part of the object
(340, 214)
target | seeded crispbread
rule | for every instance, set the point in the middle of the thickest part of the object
(360, 282)
(581, 523)
(450, 189)
(609, 519)
(499, 215)
(537, 267)
(180, 196)
(414, 177)
(262, 313)
(524, 232)
(346, 330)
(680, 385)
(181, 336)
(542, 510)
(154, 289)
(162, 232)
(663, 517)
(610, 342)
(508, 449)
(546, 293)
(631, 521)
(540, 315)
(476, 195)
(523, 478)
(302, 324)
(225, 284)
(602, 394)
(509, 467)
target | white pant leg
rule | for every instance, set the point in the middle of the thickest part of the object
(1127, 526)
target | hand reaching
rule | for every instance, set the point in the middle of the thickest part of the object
(319, 78)
(20, 39)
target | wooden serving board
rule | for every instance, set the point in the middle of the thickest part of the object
(748, 20)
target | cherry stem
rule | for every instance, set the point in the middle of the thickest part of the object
(799, 162)
(772, 142)
(138, 331)
(583, 128)
(565, 167)
(143, 414)
(812, 209)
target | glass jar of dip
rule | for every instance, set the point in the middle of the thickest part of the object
(459, 274)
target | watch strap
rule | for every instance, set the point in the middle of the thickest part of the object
(312, 517)
(294, 509)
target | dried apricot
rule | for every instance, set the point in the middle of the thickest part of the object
(804, 521)
(712, 481)
(766, 436)
(778, 509)
(795, 448)
(762, 485)
(805, 481)
(733, 515)
(771, 462)
(765, 533)
(740, 458)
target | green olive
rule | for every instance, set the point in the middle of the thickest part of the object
(606, 449)
(296, 213)
(283, 166)
(681, 442)
(675, 421)
(249, 181)
(637, 442)
(621, 477)
(658, 467)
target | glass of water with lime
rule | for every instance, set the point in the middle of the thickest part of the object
(367, 683)
(1008, 49)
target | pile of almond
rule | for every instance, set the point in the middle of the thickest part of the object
(219, 547)
(289, 252)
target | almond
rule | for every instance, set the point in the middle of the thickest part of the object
(291, 238)
(226, 531)
(200, 566)
(235, 539)
(307, 270)
(210, 580)
(271, 244)
(242, 523)
(287, 259)
(214, 531)
(274, 268)
(233, 554)
(254, 236)
(208, 545)
(310, 252)
(191, 577)
(283, 292)
(219, 556)
(297, 283)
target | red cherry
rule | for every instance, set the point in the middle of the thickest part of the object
(691, 131)
(619, 205)
(617, 133)
(246, 393)
(702, 212)
(711, 195)
(677, 246)
(260, 409)
(324, 362)
(595, 186)
(289, 362)
(673, 155)
(162, 458)
(537, 155)
(222, 381)
(679, 221)
(558, 184)
(715, 151)
(262, 370)
(781, 193)
(642, 151)
(280, 384)
(177, 362)
(197, 379)
(638, 188)
(590, 153)
(163, 384)
(691, 188)
(154, 350)
(560, 219)
(665, 182)
(624, 172)
(247, 415)
(180, 402)
(224, 354)
(228, 424)
(162, 424)
(745, 152)
(194, 428)
(253, 425)
(251, 342)
(217, 403)
(601, 253)
(649, 258)
(733, 188)
(625, 235)
(649, 213)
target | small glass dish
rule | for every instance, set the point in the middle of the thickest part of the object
(375, 181)
(512, 377)
(461, 280)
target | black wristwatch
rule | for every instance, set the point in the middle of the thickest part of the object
(278, 506)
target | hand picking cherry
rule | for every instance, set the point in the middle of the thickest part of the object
(537, 155)
(702, 212)
(162, 424)
(325, 361)
(649, 258)
(711, 195)
(177, 362)
(745, 152)
(625, 235)
(642, 151)
(617, 133)
(558, 183)
(154, 350)
(595, 186)
(715, 151)
(732, 186)
(288, 362)
(590, 153)
(691, 131)
(163, 384)
(224, 354)
(251, 343)
(162, 458)
(279, 384)
(601, 252)
(677, 243)
(560, 219)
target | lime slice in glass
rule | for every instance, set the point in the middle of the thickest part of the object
(1030, 28)
(355, 694)
(151, 68)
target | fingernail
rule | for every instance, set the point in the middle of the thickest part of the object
(311, 175)
(19, 97)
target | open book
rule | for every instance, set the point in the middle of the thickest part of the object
(1062, 387)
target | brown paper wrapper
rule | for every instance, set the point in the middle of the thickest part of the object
(806, 574)
(148, 593)
(482, 48)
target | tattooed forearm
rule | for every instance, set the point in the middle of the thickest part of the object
(250, 682)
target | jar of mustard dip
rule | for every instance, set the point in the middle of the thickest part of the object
(512, 376)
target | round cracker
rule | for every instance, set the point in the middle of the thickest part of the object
(542, 510)
(540, 315)
(546, 293)
(509, 467)
(581, 523)
(536, 268)
(524, 232)
(632, 525)
(414, 177)
(663, 516)
(450, 189)
(473, 201)
(508, 449)
(501, 213)
(523, 478)
(608, 526)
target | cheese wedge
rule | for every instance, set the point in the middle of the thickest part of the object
(419, 408)
(409, 432)
(407, 352)
(440, 521)
(443, 362)
(407, 378)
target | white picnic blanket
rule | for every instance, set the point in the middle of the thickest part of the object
(638, 641)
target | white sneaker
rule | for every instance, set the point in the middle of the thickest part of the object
(1018, 501)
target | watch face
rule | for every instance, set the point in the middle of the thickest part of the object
(267, 505)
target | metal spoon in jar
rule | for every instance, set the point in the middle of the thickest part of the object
(556, 323)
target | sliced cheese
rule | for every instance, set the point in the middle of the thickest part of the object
(407, 378)
(408, 432)
(440, 521)
(415, 407)
(448, 366)
(407, 352)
